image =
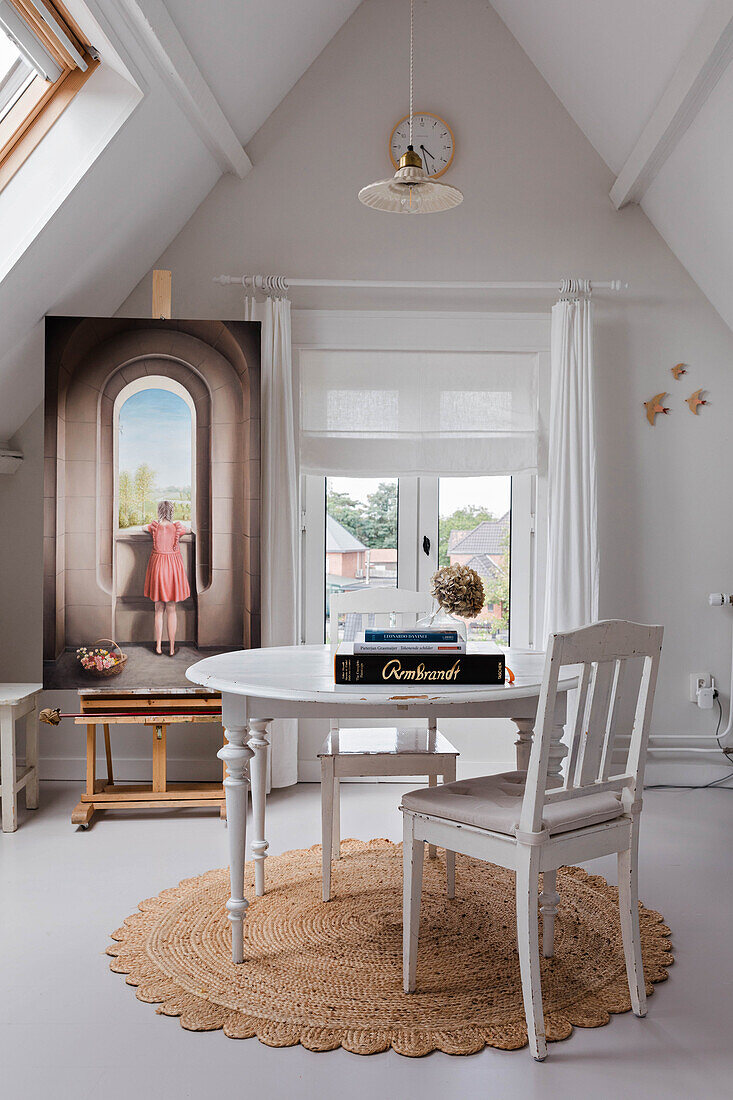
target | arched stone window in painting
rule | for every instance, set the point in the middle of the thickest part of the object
(155, 452)
(154, 440)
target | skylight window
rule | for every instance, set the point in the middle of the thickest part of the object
(44, 61)
(15, 74)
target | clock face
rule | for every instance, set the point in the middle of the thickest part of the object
(432, 139)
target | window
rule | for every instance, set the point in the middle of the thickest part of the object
(15, 74)
(384, 531)
(155, 457)
(361, 537)
(474, 517)
(455, 404)
(44, 61)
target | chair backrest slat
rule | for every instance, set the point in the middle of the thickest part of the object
(581, 692)
(382, 607)
(621, 710)
(608, 654)
(594, 734)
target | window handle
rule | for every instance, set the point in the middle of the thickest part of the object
(426, 544)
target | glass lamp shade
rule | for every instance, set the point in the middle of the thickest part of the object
(410, 191)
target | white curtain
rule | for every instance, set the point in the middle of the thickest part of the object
(279, 536)
(370, 413)
(571, 593)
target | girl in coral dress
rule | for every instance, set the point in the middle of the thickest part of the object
(165, 581)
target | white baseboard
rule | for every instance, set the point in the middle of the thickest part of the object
(678, 767)
(132, 769)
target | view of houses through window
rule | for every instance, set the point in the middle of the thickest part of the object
(361, 535)
(362, 516)
(474, 529)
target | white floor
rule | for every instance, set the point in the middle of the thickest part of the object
(71, 1028)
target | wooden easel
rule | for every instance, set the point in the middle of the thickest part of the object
(110, 707)
(162, 295)
(107, 708)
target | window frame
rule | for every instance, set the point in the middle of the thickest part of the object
(391, 329)
(43, 102)
(418, 516)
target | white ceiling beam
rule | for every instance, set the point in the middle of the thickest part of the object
(160, 37)
(701, 66)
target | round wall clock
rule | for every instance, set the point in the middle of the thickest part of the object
(432, 139)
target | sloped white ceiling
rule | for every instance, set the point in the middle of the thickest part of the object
(607, 62)
(252, 52)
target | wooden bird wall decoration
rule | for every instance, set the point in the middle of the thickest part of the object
(678, 371)
(654, 406)
(694, 401)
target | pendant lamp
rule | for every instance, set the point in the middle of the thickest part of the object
(410, 190)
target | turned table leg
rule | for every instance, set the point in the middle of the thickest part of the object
(236, 754)
(558, 752)
(523, 743)
(259, 741)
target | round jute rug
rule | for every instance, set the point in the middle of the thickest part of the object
(330, 975)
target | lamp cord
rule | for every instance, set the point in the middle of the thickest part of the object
(412, 19)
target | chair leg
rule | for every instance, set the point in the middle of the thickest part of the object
(528, 942)
(549, 901)
(413, 854)
(336, 819)
(628, 900)
(432, 782)
(450, 873)
(327, 785)
(449, 776)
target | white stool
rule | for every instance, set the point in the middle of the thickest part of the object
(18, 701)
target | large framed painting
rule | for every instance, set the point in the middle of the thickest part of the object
(152, 498)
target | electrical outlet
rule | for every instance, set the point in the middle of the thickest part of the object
(699, 680)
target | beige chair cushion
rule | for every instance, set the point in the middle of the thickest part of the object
(494, 802)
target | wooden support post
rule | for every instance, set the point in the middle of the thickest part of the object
(108, 754)
(91, 759)
(159, 758)
(161, 295)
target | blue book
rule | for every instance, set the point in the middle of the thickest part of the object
(410, 635)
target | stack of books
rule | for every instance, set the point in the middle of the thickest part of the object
(426, 656)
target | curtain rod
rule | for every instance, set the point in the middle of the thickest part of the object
(280, 284)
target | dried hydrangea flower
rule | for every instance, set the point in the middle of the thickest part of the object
(459, 590)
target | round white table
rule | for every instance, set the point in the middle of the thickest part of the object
(259, 685)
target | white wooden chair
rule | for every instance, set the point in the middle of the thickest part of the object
(512, 820)
(359, 753)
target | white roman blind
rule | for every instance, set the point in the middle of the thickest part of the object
(416, 413)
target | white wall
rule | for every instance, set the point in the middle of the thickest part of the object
(536, 207)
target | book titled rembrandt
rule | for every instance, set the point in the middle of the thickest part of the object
(436, 669)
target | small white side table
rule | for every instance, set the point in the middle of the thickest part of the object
(18, 701)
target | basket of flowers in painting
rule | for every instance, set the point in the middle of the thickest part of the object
(101, 662)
